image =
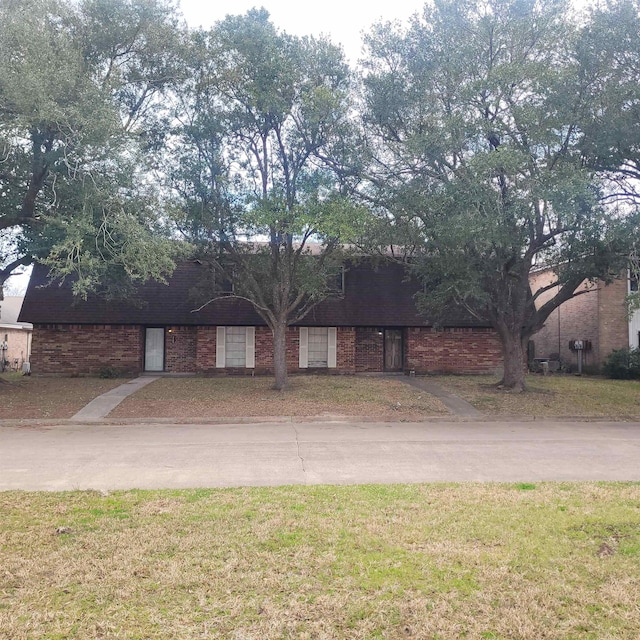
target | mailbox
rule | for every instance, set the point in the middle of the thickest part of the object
(580, 345)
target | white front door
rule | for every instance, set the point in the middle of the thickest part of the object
(154, 350)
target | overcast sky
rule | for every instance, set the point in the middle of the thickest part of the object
(342, 20)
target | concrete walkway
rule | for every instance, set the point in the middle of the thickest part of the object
(101, 406)
(455, 404)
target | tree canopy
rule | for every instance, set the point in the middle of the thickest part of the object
(81, 95)
(266, 167)
(489, 162)
(487, 139)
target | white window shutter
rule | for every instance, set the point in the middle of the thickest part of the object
(303, 357)
(250, 345)
(332, 347)
(220, 347)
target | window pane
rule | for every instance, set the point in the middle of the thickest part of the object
(235, 347)
(318, 346)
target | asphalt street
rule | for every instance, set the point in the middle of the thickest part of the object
(71, 456)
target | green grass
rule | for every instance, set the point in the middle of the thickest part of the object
(520, 561)
(554, 395)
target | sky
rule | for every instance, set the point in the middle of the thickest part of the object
(342, 20)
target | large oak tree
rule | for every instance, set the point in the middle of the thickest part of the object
(264, 150)
(490, 157)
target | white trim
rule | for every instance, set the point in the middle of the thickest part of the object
(332, 347)
(220, 347)
(250, 346)
(634, 320)
(303, 351)
(634, 330)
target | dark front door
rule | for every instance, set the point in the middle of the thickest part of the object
(393, 349)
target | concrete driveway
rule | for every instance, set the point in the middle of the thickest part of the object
(76, 456)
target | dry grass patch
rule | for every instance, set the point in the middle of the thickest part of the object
(556, 395)
(34, 397)
(517, 562)
(309, 395)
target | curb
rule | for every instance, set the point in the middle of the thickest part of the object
(53, 422)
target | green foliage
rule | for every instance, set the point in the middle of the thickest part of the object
(609, 57)
(266, 163)
(108, 373)
(80, 108)
(622, 364)
(481, 114)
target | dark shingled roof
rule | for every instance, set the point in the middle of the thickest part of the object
(375, 296)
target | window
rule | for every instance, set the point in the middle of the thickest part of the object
(633, 284)
(235, 347)
(318, 347)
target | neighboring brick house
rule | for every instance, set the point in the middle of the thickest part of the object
(598, 316)
(373, 326)
(16, 335)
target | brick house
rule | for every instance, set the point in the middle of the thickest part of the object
(598, 316)
(373, 326)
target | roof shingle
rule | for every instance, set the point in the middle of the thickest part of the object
(375, 296)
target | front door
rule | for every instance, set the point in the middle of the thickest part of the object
(154, 349)
(393, 349)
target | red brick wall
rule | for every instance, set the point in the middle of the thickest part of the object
(346, 350)
(70, 349)
(598, 316)
(369, 348)
(86, 349)
(180, 344)
(205, 350)
(576, 319)
(264, 349)
(612, 318)
(452, 350)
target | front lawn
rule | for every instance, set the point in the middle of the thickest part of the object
(553, 395)
(35, 397)
(308, 396)
(509, 562)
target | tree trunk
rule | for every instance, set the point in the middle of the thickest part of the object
(279, 331)
(513, 357)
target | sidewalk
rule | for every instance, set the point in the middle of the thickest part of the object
(455, 404)
(104, 404)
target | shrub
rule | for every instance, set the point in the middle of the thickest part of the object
(623, 364)
(109, 372)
